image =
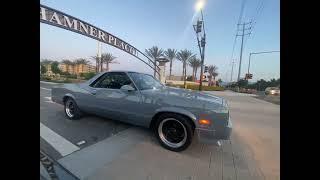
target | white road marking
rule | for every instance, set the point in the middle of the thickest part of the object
(63, 146)
(45, 82)
(80, 143)
(49, 100)
(45, 88)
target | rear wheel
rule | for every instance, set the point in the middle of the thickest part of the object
(174, 132)
(71, 109)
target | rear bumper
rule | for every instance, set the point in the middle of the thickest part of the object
(210, 136)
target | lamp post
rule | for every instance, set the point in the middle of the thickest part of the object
(201, 43)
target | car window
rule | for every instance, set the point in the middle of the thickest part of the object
(113, 80)
(145, 81)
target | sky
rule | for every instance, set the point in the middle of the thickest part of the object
(168, 24)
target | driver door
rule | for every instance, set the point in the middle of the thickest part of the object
(110, 101)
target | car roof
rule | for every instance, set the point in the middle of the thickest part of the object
(125, 71)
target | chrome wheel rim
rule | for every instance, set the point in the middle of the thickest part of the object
(172, 132)
(70, 108)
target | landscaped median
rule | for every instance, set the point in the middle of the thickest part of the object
(61, 80)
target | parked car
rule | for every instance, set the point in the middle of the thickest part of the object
(173, 114)
(272, 91)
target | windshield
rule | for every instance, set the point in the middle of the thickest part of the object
(145, 81)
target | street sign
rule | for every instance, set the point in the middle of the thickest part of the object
(62, 20)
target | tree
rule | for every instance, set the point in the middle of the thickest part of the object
(45, 61)
(219, 82)
(195, 63)
(81, 61)
(184, 56)
(212, 70)
(107, 58)
(55, 67)
(97, 60)
(171, 55)
(242, 83)
(43, 69)
(154, 53)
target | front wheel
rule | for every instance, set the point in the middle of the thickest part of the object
(71, 109)
(174, 132)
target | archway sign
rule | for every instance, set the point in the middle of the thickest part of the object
(62, 20)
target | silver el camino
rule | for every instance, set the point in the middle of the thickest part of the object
(175, 115)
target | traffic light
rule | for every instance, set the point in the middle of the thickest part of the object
(199, 26)
(205, 69)
(248, 76)
(203, 42)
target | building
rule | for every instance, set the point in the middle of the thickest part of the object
(77, 68)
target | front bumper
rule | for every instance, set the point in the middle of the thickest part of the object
(210, 136)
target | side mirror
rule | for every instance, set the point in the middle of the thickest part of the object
(127, 88)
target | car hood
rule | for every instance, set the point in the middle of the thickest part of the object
(204, 98)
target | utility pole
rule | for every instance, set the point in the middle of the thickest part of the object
(232, 70)
(242, 36)
(99, 56)
(201, 44)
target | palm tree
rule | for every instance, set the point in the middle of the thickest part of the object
(66, 61)
(107, 58)
(81, 61)
(212, 70)
(97, 59)
(154, 53)
(170, 54)
(195, 63)
(184, 56)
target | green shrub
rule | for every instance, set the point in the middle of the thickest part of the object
(71, 76)
(88, 75)
(45, 78)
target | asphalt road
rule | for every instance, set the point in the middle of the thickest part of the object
(115, 150)
(257, 128)
(90, 129)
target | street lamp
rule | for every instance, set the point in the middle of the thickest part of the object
(199, 5)
(201, 44)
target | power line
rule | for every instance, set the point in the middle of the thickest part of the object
(254, 18)
(239, 21)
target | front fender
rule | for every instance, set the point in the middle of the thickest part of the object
(69, 95)
(179, 111)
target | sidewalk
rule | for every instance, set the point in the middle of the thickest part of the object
(135, 154)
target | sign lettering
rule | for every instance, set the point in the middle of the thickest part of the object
(56, 18)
